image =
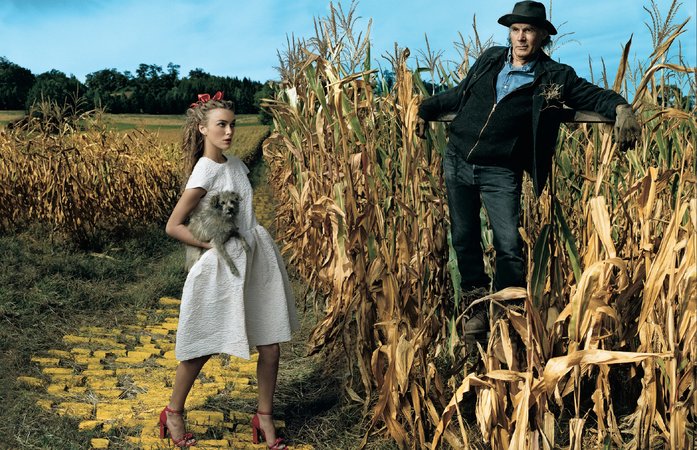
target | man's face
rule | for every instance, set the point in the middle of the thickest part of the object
(526, 41)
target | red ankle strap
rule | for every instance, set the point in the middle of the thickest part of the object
(261, 413)
(173, 411)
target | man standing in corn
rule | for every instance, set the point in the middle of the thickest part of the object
(507, 117)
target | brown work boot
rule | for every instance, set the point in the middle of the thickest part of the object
(476, 320)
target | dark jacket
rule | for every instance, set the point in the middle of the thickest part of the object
(555, 85)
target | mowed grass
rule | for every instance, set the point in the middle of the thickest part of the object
(249, 133)
(10, 115)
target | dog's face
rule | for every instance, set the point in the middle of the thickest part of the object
(227, 202)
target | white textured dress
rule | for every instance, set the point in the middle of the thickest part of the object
(222, 313)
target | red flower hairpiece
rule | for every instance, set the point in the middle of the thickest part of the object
(203, 98)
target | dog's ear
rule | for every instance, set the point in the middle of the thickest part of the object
(214, 201)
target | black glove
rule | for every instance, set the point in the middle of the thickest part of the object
(421, 127)
(627, 128)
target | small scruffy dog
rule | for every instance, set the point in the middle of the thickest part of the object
(216, 224)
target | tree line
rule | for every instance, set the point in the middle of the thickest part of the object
(151, 90)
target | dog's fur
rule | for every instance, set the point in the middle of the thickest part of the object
(216, 224)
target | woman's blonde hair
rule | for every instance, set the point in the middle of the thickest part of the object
(192, 139)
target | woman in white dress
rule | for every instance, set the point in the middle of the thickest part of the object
(221, 312)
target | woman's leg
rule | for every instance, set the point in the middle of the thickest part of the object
(267, 371)
(186, 374)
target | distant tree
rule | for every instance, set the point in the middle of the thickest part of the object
(57, 86)
(198, 73)
(15, 83)
(109, 89)
(266, 91)
(150, 89)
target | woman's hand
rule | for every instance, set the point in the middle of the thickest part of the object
(176, 224)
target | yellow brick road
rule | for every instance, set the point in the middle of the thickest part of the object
(116, 382)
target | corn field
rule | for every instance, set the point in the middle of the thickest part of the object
(612, 280)
(68, 171)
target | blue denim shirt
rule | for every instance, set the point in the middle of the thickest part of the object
(511, 78)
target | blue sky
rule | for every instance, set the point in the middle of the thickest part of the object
(236, 38)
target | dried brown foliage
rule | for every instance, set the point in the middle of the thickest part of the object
(611, 245)
(82, 179)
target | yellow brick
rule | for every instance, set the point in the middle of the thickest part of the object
(77, 390)
(57, 371)
(166, 346)
(45, 404)
(107, 342)
(75, 409)
(68, 380)
(150, 349)
(72, 339)
(169, 301)
(56, 389)
(99, 373)
(139, 354)
(159, 331)
(209, 418)
(129, 360)
(31, 381)
(83, 359)
(170, 355)
(208, 443)
(45, 361)
(144, 339)
(95, 366)
(169, 326)
(60, 354)
(197, 430)
(168, 363)
(80, 351)
(99, 443)
(109, 393)
(101, 354)
(113, 411)
(88, 425)
(248, 367)
(151, 431)
(103, 383)
(131, 422)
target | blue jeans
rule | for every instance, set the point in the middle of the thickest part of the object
(498, 188)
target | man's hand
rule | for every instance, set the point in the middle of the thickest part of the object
(627, 128)
(421, 126)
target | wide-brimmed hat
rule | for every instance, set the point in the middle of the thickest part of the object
(530, 12)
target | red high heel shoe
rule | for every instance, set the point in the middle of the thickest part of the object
(256, 430)
(187, 440)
